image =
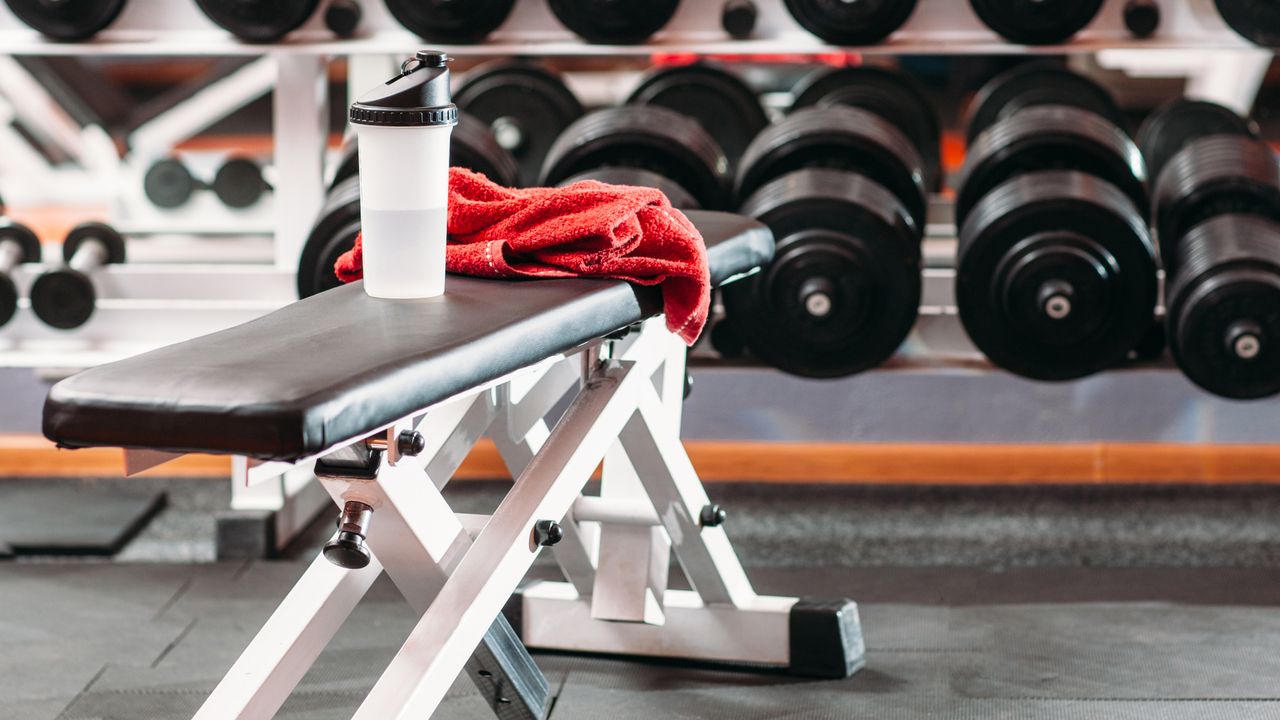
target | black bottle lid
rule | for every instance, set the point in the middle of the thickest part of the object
(417, 97)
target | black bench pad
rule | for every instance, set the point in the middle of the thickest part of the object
(336, 366)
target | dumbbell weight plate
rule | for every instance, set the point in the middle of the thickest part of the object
(451, 21)
(1056, 275)
(1256, 20)
(614, 22)
(1170, 128)
(168, 184)
(842, 138)
(28, 250)
(1051, 137)
(843, 289)
(239, 183)
(1037, 83)
(891, 95)
(67, 20)
(1224, 306)
(334, 234)
(260, 21)
(842, 22)
(526, 105)
(646, 137)
(1212, 176)
(636, 177)
(720, 101)
(1036, 22)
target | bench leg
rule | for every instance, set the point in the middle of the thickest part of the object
(502, 553)
(282, 651)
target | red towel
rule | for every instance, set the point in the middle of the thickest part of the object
(588, 229)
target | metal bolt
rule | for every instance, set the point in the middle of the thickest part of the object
(1244, 338)
(411, 443)
(712, 516)
(547, 533)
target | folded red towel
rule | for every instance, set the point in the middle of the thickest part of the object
(588, 229)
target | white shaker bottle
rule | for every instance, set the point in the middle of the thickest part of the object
(403, 128)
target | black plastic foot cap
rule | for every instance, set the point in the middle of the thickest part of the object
(826, 639)
(347, 550)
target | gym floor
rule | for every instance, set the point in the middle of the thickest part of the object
(976, 602)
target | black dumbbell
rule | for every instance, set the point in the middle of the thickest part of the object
(1217, 215)
(843, 191)
(1176, 124)
(238, 184)
(460, 21)
(1257, 21)
(259, 21)
(471, 146)
(1036, 83)
(720, 101)
(526, 105)
(647, 138)
(638, 177)
(892, 95)
(864, 22)
(1056, 272)
(610, 22)
(67, 20)
(18, 245)
(1036, 22)
(65, 298)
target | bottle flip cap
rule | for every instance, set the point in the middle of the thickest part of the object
(417, 97)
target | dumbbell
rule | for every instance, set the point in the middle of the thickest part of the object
(471, 146)
(258, 21)
(643, 137)
(67, 20)
(1217, 216)
(851, 22)
(1176, 124)
(1036, 22)
(1258, 21)
(18, 245)
(1056, 272)
(525, 104)
(720, 101)
(238, 183)
(842, 189)
(65, 297)
(892, 95)
(451, 21)
(611, 22)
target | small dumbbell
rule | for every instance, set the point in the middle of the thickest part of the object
(17, 245)
(65, 297)
(238, 184)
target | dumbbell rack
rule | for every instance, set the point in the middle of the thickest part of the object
(177, 287)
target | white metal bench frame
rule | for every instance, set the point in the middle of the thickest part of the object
(459, 571)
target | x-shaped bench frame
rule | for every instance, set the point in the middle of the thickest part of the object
(459, 572)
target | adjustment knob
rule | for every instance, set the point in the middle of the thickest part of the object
(348, 550)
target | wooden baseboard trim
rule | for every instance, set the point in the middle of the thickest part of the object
(827, 463)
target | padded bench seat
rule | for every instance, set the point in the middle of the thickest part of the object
(336, 366)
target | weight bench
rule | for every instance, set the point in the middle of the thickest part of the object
(386, 398)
